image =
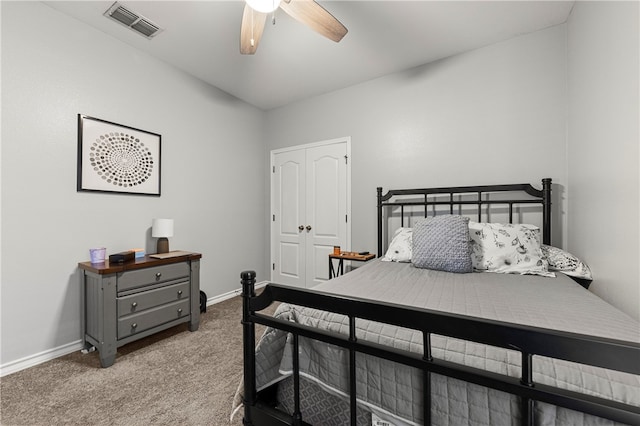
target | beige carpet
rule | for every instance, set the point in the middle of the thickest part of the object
(174, 377)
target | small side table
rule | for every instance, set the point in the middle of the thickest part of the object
(346, 255)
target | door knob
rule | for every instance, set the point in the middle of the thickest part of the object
(300, 228)
(308, 228)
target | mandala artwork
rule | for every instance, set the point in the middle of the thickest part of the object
(117, 158)
(121, 159)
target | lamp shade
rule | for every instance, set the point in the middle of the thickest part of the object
(162, 228)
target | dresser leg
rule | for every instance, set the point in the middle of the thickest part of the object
(193, 326)
(107, 361)
(194, 323)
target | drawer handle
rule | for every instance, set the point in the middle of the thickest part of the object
(158, 275)
(180, 311)
(134, 325)
(134, 304)
(179, 293)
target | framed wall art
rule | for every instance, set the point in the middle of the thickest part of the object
(117, 158)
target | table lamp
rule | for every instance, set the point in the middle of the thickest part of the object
(161, 229)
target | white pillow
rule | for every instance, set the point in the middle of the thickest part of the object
(562, 261)
(507, 249)
(400, 248)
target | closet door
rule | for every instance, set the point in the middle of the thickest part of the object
(310, 207)
(288, 228)
(326, 211)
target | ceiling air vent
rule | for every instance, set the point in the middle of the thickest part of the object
(134, 21)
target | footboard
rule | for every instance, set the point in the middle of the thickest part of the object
(528, 341)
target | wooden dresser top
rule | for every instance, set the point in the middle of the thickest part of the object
(106, 267)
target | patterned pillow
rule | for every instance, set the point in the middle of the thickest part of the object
(442, 243)
(507, 249)
(562, 261)
(400, 248)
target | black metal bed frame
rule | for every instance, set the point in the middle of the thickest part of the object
(482, 198)
(259, 407)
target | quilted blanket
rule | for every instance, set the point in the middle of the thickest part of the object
(393, 392)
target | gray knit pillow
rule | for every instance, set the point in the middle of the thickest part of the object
(442, 243)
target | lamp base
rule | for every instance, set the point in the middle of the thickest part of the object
(163, 245)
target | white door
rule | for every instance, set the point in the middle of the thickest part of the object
(310, 211)
(289, 218)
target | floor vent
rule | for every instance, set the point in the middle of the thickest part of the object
(132, 20)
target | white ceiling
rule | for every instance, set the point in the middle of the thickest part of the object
(294, 63)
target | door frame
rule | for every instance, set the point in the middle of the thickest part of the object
(346, 140)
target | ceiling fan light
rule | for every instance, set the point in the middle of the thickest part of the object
(264, 6)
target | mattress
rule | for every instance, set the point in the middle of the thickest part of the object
(392, 392)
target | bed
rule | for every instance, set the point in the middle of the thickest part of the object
(491, 347)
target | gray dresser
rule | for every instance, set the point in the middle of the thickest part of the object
(127, 301)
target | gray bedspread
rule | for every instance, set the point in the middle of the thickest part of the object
(394, 391)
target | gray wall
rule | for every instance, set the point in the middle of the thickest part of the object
(54, 67)
(604, 134)
(492, 115)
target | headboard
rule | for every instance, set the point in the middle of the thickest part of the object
(464, 199)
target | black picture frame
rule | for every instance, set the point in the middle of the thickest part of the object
(117, 158)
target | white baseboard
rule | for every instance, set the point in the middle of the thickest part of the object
(39, 358)
(230, 294)
(48, 355)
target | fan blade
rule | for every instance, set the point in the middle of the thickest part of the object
(315, 17)
(251, 30)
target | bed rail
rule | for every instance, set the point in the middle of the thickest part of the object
(459, 196)
(529, 341)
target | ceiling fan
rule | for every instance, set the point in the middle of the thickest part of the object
(308, 12)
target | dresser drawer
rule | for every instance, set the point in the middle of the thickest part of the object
(148, 299)
(131, 324)
(156, 275)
